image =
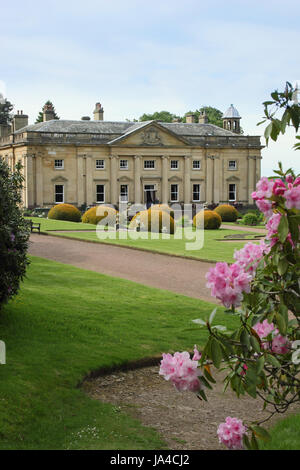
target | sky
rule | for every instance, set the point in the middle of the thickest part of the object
(139, 57)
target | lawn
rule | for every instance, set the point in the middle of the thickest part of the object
(66, 322)
(50, 224)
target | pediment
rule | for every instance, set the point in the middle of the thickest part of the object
(59, 179)
(124, 179)
(175, 179)
(151, 135)
(233, 178)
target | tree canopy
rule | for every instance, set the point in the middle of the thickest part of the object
(214, 116)
(5, 111)
(164, 116)
(40, 115)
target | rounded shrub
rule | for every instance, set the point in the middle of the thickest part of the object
(227, 212)
(102, 215)
(14, 232)
(65, 212)
(250, 219)
(153, 221)
(212, 220)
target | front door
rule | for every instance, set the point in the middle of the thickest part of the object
(149, 194)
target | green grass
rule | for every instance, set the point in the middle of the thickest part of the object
(214, 249)
(51, 224)
(285, 435)
(67, 322)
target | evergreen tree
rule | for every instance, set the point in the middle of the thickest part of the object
(40, 115)
(164, 116)
(5, 111)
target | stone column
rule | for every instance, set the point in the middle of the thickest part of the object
(80, 180)
(137, 179)
(29, 180)
(216, 193)
(251, 177)
(114, 197)
(187, 179)
(89, 181)
(209, 179)
(39, 180)
(164, 180)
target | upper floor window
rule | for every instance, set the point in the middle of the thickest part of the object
(123, 164)
(196, 164)
(174, 164)
(149, 164)
(232, 165)
(58, 164)
(99, 164)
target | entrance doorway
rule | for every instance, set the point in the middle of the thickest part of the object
(149, 195)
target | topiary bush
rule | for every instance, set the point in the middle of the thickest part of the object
(212, 220)
(14, 232)
(163, 207)
(102, 215)
(250, 219)
(227, 212)
(153, 221)
(65, 212)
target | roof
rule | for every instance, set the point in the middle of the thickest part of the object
(122, 129)
(231, 112)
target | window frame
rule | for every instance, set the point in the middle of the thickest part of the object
(172, 192)
(229, 191)
(120, 193)
(197, 161)
(174, 161)
(100, 160)
(56, 193)
(62, 167)
(98, 192)
(127, 164)
(196, 184)
(150, 167)
(235, 165)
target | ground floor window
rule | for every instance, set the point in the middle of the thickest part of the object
(174, 192)
(100, 193)
(196, 192)
(124, 192)
(59, 193)
(232, 192)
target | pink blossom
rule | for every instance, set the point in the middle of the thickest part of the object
(265, 207)
(279, 187)
(289, 179)
(245, 368)
(197, 354)
(278, 344)
(272, 227)
(227, 283)
(182, 371)
(250, 255)
(264, 188)
(292, 197)
(231, 433)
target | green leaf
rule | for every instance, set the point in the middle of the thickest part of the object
(273, 361)
(246, 442)
(199, 321)
(260, 365)
(281, 323)
(261, 432)
(212, 316)
(283, 229)
(216, 353)
(282, 266)
(245, 339)
(255, 344)
(209, 376)
(201, 393)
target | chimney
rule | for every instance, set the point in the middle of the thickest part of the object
(48, 112)
(203, 118)
(190, 118)
(19, 120)
(98, 112)
(85, 118)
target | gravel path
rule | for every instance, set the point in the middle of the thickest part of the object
(178, 275)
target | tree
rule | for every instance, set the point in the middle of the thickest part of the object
(14, 232)
(214, 115)
(262, 355)
(40, 115)
(5, 111)
(164, 116)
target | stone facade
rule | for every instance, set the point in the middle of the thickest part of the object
(90, 162)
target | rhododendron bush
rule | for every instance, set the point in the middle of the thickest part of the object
(261, 357)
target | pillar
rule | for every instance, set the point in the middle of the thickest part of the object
(137, 179)
(209, 179)
(216, 172)
(164, 180)
(39, 180)
(89, 181)
(114, 198)
(187, 179)
(80, 180)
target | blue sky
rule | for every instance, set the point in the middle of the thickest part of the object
(139, 56)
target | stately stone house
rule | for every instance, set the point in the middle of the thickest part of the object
(93, 162)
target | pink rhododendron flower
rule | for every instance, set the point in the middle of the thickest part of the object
(227, 283)
(231, 433)
(292, 197)
(265, 207)
(245, 368)
(279, 187)
(264, 189)
(250, 255)
(197, 354)
(182, 371)
(278, 344)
